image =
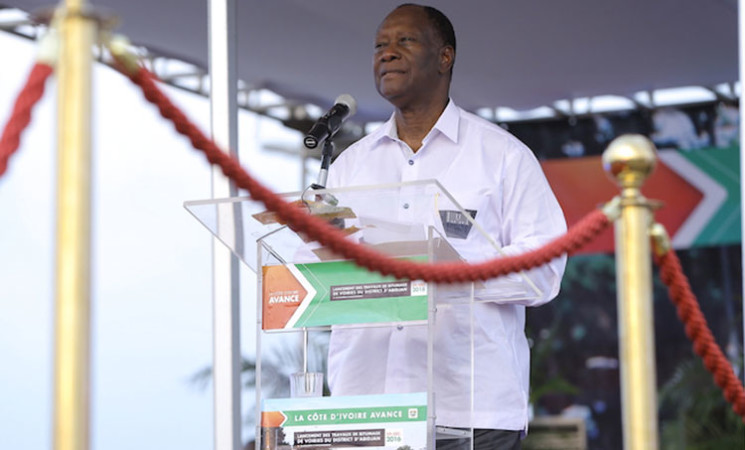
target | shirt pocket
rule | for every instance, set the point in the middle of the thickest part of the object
(466, 224)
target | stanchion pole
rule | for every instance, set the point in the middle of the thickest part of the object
(72, 299)
(629, 160)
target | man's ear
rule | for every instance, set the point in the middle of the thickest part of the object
(447, 58)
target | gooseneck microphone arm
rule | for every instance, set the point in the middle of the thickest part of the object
(326, 154)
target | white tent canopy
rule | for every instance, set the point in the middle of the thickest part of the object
(520, 55)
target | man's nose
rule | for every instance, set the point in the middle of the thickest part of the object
(388, 54)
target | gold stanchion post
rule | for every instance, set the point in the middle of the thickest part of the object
(72, 299)
(629, 160)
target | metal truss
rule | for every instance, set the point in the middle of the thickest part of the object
(194, 78)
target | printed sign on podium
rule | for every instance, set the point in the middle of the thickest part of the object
(370, 421)
(335, 293)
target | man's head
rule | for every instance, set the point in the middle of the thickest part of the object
(414, 55)
(442, 24)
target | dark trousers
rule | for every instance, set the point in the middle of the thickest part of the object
(484, 440)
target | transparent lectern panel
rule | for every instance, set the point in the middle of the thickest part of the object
(392, 218)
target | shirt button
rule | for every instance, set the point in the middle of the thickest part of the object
(406, 206)
(411, 162)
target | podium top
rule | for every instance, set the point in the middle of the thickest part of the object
(390, 217)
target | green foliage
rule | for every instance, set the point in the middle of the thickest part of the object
(544, 381)
(579, 323)
(695, 415)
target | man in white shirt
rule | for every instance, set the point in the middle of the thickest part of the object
(498, 180)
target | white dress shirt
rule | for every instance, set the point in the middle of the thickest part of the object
(491, 172)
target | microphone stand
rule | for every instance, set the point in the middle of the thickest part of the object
(326, 154)
(323, 174)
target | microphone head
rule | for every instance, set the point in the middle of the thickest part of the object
(348, 101)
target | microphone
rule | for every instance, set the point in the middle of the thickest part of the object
(344, 107)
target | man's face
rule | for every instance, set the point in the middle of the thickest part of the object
(407, 64)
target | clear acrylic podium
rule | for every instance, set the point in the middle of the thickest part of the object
(418, 385)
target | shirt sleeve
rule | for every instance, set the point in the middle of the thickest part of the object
(531, 218)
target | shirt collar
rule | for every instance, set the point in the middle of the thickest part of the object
(447, 124)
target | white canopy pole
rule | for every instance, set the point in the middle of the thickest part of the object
(741, 66)
(226, 318)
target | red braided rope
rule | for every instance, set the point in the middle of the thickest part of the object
(699, 333)
(319, 230)
(20, 116)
